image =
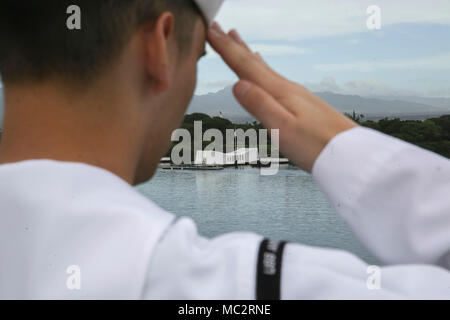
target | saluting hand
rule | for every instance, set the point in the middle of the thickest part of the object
(306, 122)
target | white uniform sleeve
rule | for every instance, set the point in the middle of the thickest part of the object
(395, 196)
(188, 266)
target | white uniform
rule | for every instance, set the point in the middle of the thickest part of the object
(60, 217)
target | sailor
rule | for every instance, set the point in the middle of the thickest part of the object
(88, 119)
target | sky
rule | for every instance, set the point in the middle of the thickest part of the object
(327, 46)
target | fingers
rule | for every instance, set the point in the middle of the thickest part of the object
(261, 59)
(236, 37)
(262, 105)
(259, 56)
(243, 62)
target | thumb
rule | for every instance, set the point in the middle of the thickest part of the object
(261, 105)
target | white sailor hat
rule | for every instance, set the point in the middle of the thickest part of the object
(209, 8)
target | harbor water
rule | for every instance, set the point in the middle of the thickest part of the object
(286, 206)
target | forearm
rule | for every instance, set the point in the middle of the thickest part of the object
(394, 195)
(188, 266)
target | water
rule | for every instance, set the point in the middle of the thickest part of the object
(287, 206)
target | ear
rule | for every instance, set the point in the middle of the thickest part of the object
(157, 46)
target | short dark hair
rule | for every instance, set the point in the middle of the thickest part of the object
(36, 44)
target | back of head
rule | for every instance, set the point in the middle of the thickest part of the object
(129, 57)
(36, 43)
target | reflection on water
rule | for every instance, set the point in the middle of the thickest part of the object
(287, 206)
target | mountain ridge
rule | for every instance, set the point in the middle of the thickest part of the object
(223, 101)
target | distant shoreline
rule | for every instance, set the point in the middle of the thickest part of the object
(431, 133)
(419, 116)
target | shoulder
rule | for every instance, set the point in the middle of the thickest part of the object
(80, 215)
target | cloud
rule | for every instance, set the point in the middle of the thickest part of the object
(443, 92)
(294, 20)
(364, 88)
(269, 50)
(213, 86)
(328, 84)
(279, 50)
(436, 62)
(353, 41)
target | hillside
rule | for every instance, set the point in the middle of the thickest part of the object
(224, 101)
